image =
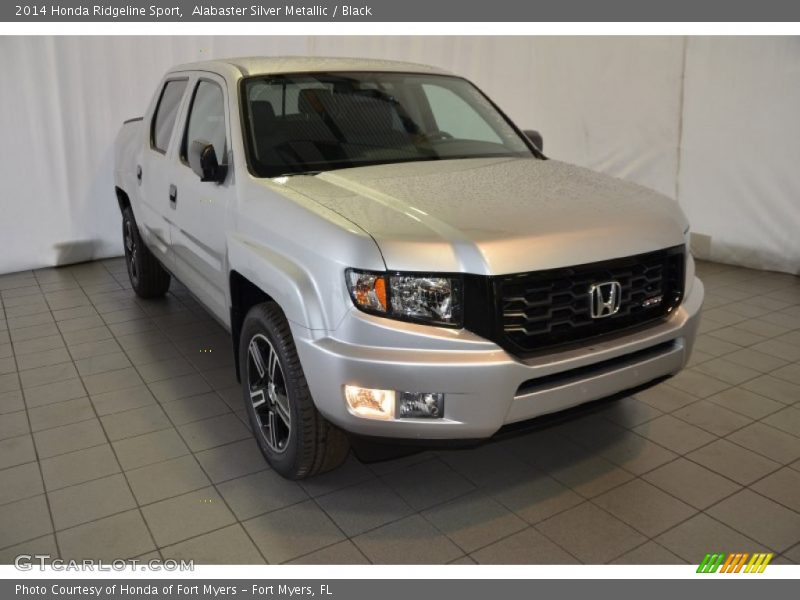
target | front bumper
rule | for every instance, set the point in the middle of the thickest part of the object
(484, 386)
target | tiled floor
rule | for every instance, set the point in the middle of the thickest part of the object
(122, 435)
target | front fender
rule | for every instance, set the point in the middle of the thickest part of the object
(281, 278)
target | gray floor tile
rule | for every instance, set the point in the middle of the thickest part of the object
(227, 546)
(16, 451)
(474, 521)
(135, 422)
(691, 483)
(782, 486)
(712, 417)
(635, 453)
(343, 553)
(665, 397)
(169, 478)
(259, 493)
(61, 413)
(353, 516)
(292, 532)
(697, 384)
(479, 465)
(117, 401)
(50, 374)
(674, 434)
(525, 547)
(790, 373)
(649, 553)
(22, 481)
(427, 484)
(31, 333)
(759, 518)
(9, 382)
(90, 501)
(629, 412)
(535, 497)
(768, 441)
(186, 516)
(123, 535)
(213, 432)
(746, 403)
(754, 359)
(112, 380)
(774, 388)
(42, 546)
(14, 424)
(77, 467)
(24, 520)
(54, 392)
(165, 369)
(179, 387)
(787, 420)
(410, 541)
(69, 438)
(590, 475)
(733, 461)
(729, 372)
(11, 402)
(94, 365)
(69, 314)
(44, 358)
(692, 539)
(232, 460)
(350, 473)
(149, 448)
(90, 349)
(644, 507)
(195, 408)
(591, 534)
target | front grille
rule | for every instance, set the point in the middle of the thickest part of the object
(543, 309)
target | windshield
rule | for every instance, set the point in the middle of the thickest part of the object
(313, 122)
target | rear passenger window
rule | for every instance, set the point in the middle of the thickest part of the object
(166, 113)
(206, 120)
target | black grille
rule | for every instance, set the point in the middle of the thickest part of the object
(543, 309)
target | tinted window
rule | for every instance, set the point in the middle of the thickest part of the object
(322, 121)
(166, 112)
(455, 117)
(207, 119)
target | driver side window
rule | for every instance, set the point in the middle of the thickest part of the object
(456, 117)
(206, 120)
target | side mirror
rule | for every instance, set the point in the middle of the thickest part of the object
(536, 138)
(203, 161)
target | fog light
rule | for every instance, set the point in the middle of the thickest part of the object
(420, 405)
(369, 403)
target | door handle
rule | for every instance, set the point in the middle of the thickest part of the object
(139, 173)
(173, 195)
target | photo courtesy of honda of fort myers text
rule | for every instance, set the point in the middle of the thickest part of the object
(318, 301)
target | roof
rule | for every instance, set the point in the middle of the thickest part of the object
(261, 65)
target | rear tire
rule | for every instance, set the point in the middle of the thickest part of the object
(293, 436)
(148, 278)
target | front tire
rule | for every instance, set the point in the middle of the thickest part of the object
(148, 278)
(295, 439)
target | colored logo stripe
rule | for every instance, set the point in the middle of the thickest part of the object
(734, 562)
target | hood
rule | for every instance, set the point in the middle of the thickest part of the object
(496, 216)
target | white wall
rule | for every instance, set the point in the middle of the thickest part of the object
(711, 121)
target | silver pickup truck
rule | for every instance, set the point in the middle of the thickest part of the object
(393, 257)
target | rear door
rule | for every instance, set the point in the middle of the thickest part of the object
(200, 218)
(157, 163)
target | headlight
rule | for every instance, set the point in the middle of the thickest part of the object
(434, 299)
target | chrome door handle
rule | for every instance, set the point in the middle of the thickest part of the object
(173, 196)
